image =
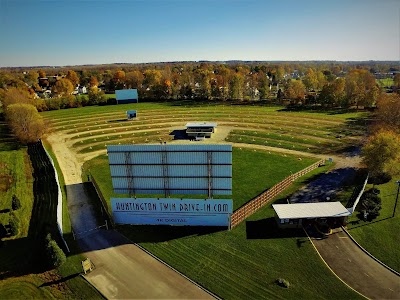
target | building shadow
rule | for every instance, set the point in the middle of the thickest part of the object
(163, 233)
(118, 121)
(268, 229)
(179, 134)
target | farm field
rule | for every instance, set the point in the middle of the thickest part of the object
(198, 253)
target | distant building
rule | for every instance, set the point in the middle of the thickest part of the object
(131, 114)
(200, 130)
(127, 96)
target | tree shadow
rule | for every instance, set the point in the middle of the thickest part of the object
(324, 187)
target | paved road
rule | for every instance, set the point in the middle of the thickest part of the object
(358, 269)
(123, 270)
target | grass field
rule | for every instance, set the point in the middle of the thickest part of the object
(90, 129)
(244, 262)
(386, 82)
(381, 236)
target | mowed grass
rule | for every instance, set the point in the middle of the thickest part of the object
(381, 236)
(245, 262)
(235, 264)
(93, 128)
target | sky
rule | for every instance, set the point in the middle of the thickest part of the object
(71, 32)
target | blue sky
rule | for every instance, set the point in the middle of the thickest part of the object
(50, 32)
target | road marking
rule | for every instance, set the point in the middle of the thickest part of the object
(337, 247)
(391, 289)
(366, 274)
(343, 237)
(349, 259)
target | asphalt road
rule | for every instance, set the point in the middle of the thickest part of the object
(358, 269)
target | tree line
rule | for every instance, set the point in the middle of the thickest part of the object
(321, 84)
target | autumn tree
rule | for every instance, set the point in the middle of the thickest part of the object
(31, 78)
(388, 112)
(14, 95)
(332, 93)
(295, 89)
(361, 88)
(63, 87)
(42, 74)
(310, 80)
(381, 153)
(96, 96)
(73, 77)
(119, 79)
(93, 81)
(25, 122)
(236, 86)
(134, 79)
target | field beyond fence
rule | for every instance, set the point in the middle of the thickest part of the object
(255, 204)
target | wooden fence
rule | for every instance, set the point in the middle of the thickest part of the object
(255, 204)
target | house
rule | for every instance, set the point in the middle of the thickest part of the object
(127, 96)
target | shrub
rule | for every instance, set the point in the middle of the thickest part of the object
(282, 282)
(14, 224)
(56, 257)
(15, 203)
(371, 205)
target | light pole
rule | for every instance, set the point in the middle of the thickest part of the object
(397, 196)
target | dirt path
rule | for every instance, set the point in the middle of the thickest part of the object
(123, 270)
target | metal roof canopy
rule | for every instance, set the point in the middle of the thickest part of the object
(201, 124)
(310, 210)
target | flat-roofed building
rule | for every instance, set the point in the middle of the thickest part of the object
(294, 215)
(200, 130)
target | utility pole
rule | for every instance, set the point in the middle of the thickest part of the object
(397, 197)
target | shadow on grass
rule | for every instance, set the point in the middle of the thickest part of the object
(179, 134)
(366, 223)
(268, 229)
(159, 233)
(118, 121)
(64, 279)
(323, 187)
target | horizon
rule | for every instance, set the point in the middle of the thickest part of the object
(57, 33)
(206, 61)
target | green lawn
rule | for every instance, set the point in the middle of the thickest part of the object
(381, 236)
(92, 128)
(244, 262)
